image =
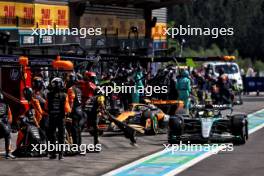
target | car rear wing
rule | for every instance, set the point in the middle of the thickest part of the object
(164, 102)
(213, 107)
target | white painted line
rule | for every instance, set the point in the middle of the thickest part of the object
(206, 155)
(184, 166)
(256, 129)
(256, 112)
(114, 172)
(194, 161)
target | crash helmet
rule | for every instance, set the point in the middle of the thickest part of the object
(37, 83)
(209, 108)
(57, 83)
(28, 93)
(1, 96)
(100, 100)
(91, 76)
(79, 76)
(185, 73)
(208, 104)
(221, 71)
(72, 79)
(30, 115)
(194, 72)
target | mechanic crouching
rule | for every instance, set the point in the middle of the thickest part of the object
(57, 105)
(5, 128)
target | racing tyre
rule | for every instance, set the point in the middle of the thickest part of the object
(240, 129)
(175, 129)
(242, 137)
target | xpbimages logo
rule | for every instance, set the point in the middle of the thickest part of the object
(49, 147)
(188, 147)
(82, 32)
(196, 31)
(147, 91)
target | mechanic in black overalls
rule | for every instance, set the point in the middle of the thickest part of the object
(200, 83)
(75, 101)
(224, 86)
(58, 106)
(98, 107)
(5, 128)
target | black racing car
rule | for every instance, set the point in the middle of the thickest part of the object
(206, 123)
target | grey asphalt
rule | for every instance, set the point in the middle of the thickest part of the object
(245, 160)
(117, 151)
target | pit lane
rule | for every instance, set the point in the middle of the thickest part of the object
(116, 152)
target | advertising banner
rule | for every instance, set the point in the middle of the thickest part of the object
(253, 84)
(157, 31)
(8, 14)
(141, 27)
(140, 24)
(44, 15)
(25, 14)
(123, 28)
(112, 23)
(126, 24)
(61, 16)
(28, 15)
(109, 22)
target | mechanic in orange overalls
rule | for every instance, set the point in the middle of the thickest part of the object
(33, 103)
(88, 86)
(40, 95)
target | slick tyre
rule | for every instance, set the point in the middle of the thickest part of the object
(242, 137)
(240, 129)
(175, 129)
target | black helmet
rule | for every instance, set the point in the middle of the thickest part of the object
(79, 76)
(28, 93)
(37, 83)
(221, 71)
(30, 115)
(1, 96)
(72, 80)
(57, 83)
